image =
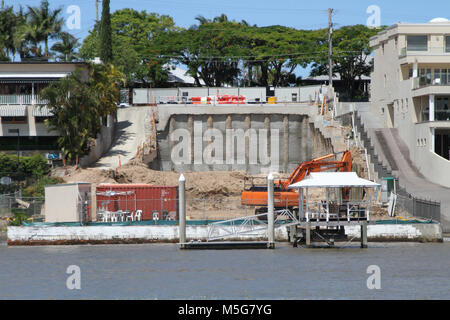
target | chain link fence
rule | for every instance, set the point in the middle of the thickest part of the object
(14, 203)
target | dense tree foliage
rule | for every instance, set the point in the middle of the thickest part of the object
(351, 56)
(132, 36)
(105, 34)
(79, 103)
(25, 31)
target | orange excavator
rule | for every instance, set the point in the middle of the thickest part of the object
(256, 195)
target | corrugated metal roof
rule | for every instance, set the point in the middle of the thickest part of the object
(41, 111)
(13, 111)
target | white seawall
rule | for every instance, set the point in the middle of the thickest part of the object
(141, 234)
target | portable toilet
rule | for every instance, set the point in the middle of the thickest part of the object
(387, 186)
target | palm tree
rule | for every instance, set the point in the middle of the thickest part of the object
(66, 47)
(8, 23)
(47, 22)
(27, 39)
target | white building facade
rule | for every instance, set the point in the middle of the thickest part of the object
(411, 89)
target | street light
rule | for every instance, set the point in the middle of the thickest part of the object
(18, 146)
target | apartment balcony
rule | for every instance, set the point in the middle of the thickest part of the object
(429, 55)
(21, 99)
(431, 84)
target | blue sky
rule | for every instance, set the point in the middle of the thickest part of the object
(299, 14)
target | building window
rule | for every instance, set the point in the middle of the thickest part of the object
(417, 43)
(447, 44)
(15, 120)
(442, 112)
(40, 119)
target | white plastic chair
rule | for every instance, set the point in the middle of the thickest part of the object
(105, 216)
(130, 216)
(114, 217)
(138, 215)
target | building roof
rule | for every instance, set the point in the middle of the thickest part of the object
(333, 180)
(179, 75)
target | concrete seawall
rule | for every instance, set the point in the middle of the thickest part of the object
(148, 234)
(255, 139)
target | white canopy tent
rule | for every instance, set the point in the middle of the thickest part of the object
(332, 180)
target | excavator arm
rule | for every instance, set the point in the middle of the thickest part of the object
(257, 195)
(318, 165)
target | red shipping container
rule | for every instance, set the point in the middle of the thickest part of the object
(145, 197)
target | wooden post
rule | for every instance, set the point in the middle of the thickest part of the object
(364, 234)
(308, 234)
(182, 209)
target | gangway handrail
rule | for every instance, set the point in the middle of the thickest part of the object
(250, 224)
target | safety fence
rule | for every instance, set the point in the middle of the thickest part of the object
(417, 207)
(166, 209)
(14, 203)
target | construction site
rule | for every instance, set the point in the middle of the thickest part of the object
(213, 195)
(225, 153)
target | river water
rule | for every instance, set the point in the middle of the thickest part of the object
(162, 271)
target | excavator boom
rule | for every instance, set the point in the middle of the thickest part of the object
(284, 197)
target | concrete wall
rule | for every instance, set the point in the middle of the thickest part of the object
(118, 234)
(283, 135)
(101, 144)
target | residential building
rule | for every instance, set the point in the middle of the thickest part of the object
(22, 111)
(410, 89)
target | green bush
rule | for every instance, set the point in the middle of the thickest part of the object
(38, 189)
(34, 166)
(18, 219)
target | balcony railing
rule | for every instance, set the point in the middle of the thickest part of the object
(431, 80)
(22, 99)
(431, 51)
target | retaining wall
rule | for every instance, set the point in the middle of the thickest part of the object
(145, 234)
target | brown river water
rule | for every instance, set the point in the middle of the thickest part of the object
(162, 271)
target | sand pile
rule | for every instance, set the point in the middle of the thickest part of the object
(198, 184)
(210, 195)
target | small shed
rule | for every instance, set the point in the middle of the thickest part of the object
(68, 202)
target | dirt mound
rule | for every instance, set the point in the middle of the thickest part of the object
(198, 184)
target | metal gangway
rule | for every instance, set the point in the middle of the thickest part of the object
(249, 225)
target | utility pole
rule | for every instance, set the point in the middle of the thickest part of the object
(330, 47)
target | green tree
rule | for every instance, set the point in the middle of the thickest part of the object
(66, 47)
(8, 25)
(47, 23)
(79, 104)
(134, 52)
(351, 55)
(105, 34)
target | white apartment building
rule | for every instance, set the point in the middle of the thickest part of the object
(411, 89)
(21, 115)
